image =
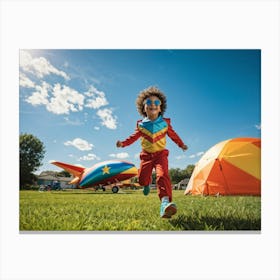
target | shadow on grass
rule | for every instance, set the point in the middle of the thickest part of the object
(184, 222)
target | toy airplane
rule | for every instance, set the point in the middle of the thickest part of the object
(101, 174)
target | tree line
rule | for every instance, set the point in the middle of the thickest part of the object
(32, 151)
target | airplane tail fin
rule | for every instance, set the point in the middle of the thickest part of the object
(77, 171)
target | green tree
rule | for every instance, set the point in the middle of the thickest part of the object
(31, 151)
(154, 177)
(176, 175)
(189, 170)
(63, 174)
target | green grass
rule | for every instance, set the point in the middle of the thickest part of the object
(80, 210)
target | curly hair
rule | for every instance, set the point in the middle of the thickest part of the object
(144, 94)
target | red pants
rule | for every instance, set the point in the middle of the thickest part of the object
(159, 161)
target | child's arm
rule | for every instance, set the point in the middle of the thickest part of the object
(175, 137)
(131, 139)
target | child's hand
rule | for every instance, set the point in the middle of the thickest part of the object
(185, 147)
(119, 144)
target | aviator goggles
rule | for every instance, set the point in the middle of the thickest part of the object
(149, 102)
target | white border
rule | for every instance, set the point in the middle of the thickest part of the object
(140, 24)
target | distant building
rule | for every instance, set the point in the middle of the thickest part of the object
(46, 179)
(182, 185)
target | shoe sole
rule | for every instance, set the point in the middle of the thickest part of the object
(169, 211)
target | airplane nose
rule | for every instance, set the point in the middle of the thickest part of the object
(132, 171)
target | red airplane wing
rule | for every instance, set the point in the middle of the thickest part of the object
(73, 169)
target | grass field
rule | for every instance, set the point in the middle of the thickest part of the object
(128, 210)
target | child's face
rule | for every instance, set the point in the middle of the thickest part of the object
(152, 107)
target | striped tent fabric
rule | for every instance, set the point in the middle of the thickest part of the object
(231, 167)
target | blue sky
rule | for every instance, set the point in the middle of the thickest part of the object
(80, 102)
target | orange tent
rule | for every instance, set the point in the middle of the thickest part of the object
(231, 167)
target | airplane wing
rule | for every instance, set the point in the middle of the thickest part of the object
(73, 169)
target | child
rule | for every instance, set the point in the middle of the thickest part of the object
(151, 104)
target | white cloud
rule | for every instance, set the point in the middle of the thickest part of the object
(40, 67)
(258, 126)
(97, 98)
(65, 100)
(196, 155)
(61, 99)
(58, 98)
(180, 157)
(80, 144)
(89, 157)
(74, 122)
(119, 155)
(107, 118)
(24, 81)
(40, 96)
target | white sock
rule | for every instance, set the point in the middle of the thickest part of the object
(165, 198)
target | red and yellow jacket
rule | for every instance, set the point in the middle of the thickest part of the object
(153, 134)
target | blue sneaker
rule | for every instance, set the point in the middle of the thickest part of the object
(146, 190)
(167, 209)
